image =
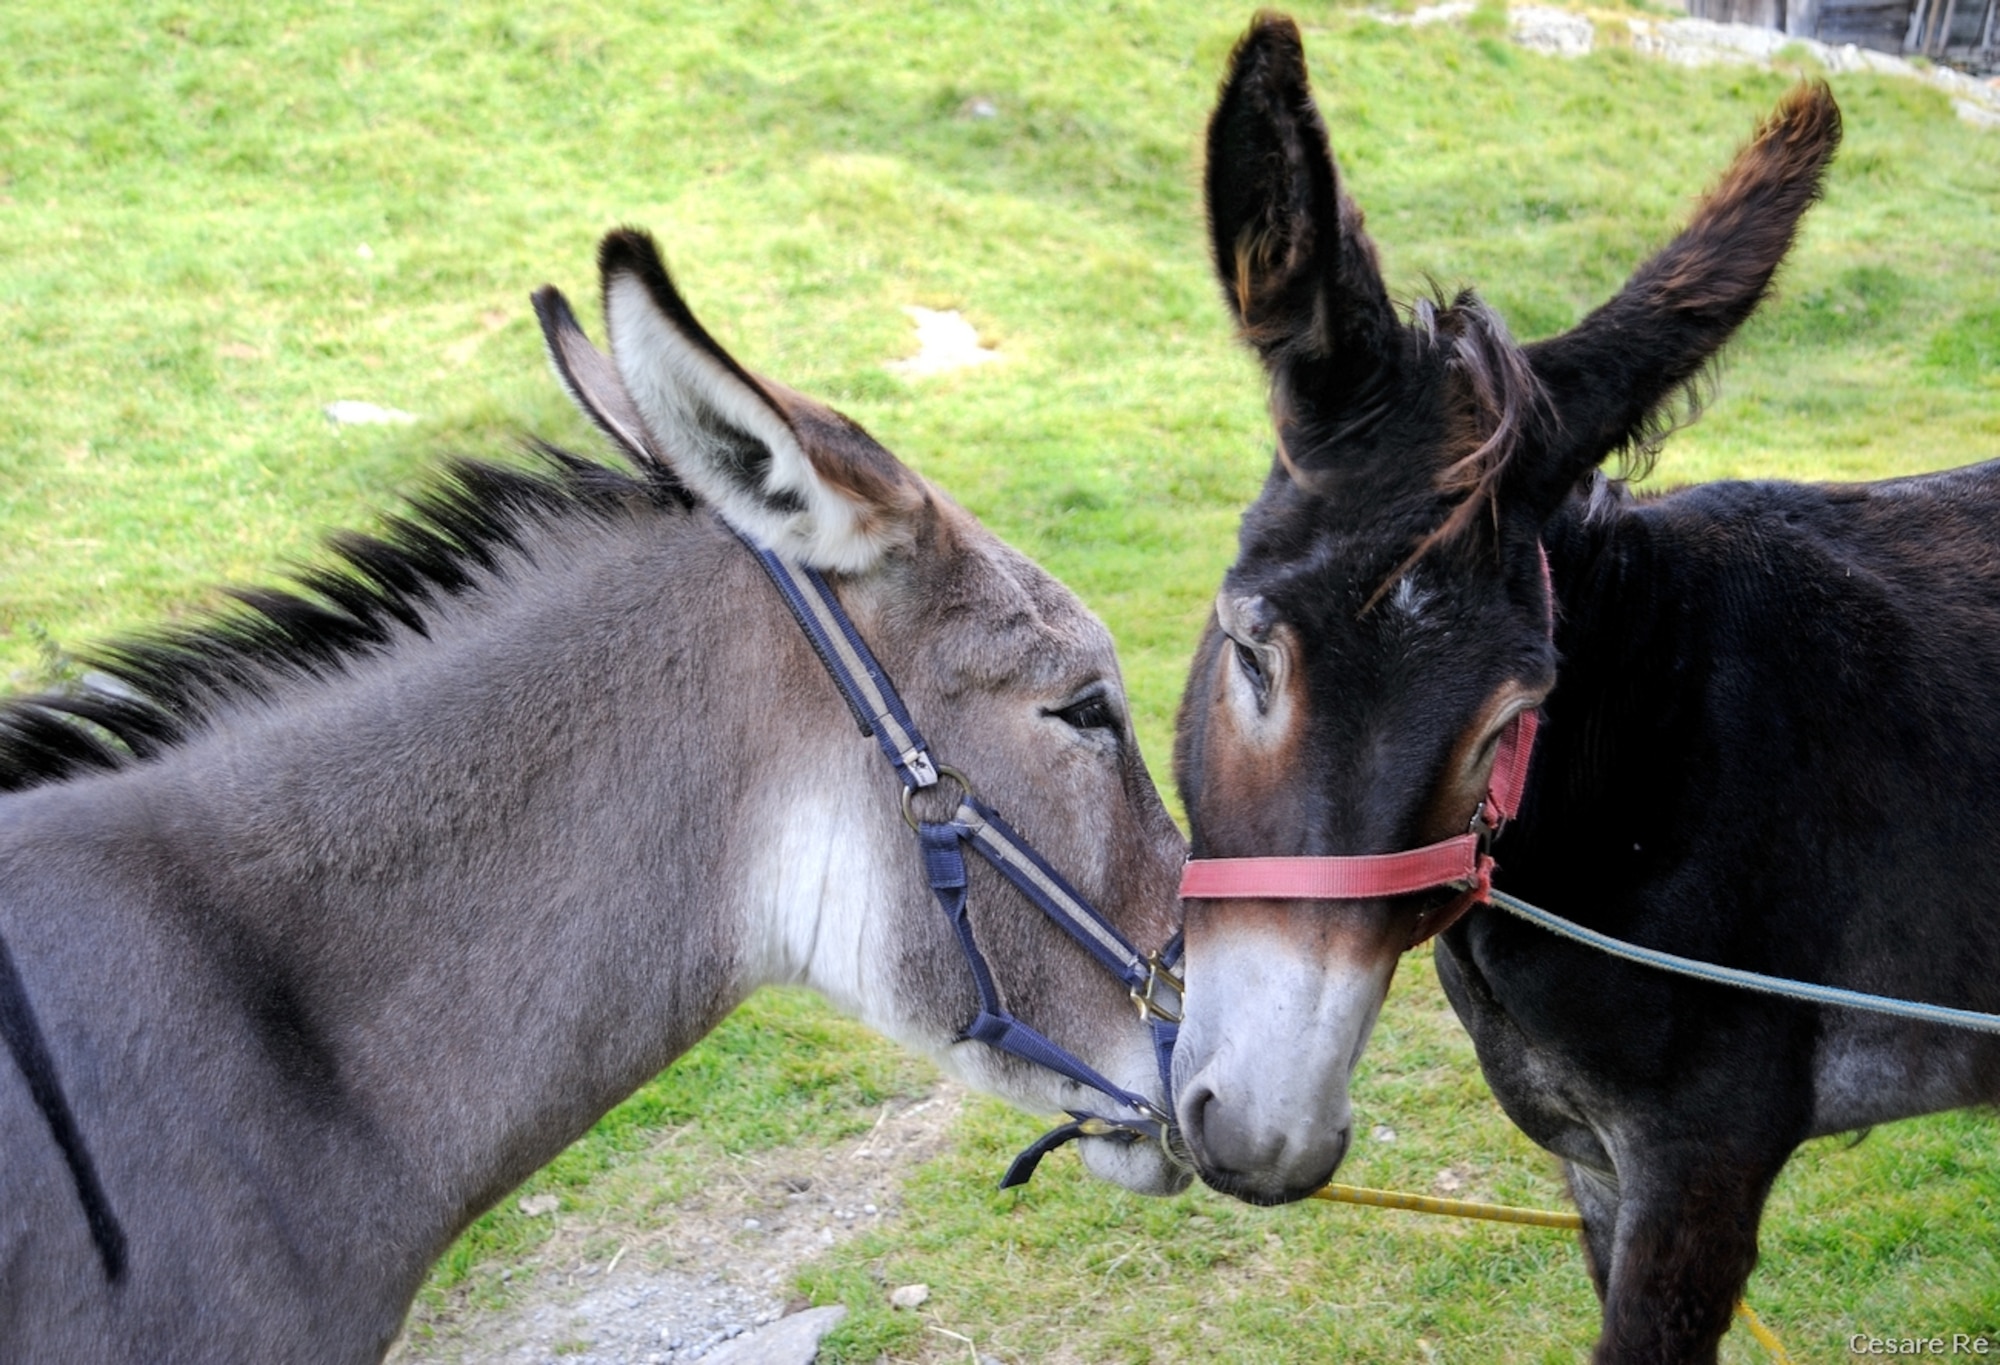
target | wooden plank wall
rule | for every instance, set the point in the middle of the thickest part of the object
(1965, 30)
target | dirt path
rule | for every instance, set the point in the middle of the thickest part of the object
(722, 1263)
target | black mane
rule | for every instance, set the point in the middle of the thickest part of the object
(156, 689)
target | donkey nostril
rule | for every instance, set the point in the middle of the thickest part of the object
(1341, 1140)
(1261, 1163)
(1193, 1115)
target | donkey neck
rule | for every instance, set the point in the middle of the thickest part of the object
(1655, 600)
(467, 894)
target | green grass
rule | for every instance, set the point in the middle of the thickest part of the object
(218, 219)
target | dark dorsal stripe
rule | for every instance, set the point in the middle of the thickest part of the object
(31, 1055)
(449, 541)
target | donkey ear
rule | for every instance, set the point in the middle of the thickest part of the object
(1610, 378)
(590, 378)
(786, 471)
(1296, 268)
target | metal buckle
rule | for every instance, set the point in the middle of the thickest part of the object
(1486, 830)
(943, 771)
(1146, 997)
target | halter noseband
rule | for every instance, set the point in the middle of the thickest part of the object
(880, 712)
(1463, 862)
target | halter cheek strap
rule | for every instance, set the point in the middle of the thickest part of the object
(1462, 862)
(880, 712)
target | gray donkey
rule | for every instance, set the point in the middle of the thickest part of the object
(332, 918)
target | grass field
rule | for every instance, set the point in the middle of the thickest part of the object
(214, 220)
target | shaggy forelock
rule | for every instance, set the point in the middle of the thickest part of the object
(1505, 407)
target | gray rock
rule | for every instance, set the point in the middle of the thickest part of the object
(1557, 32)
(792, 1340)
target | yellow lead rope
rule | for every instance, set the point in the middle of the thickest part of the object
(1448, 1208)
(1765, 1336)
(1504, 1213)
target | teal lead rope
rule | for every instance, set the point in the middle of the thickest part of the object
(1749, 981)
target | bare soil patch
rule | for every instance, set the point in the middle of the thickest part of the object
(672, 1285)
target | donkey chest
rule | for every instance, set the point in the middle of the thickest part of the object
(1541, 1090)
(1580, 1049)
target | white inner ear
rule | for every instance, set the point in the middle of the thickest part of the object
(708, 423)
(1269, 726)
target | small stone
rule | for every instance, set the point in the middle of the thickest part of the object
(909, 1296)
(536, 1205)
(751, 1224)
(1384, 1133)
(868, 1209)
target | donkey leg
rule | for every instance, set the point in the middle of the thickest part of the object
(1684, 1244)
(1596, 1195)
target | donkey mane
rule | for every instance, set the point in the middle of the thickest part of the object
(1510, 407)
(1507, 407)
(452, 539)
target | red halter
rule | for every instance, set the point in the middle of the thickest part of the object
(1461, 861)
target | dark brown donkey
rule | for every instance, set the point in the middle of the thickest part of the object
(1771, 733)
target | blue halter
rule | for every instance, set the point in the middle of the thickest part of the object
(881, 713)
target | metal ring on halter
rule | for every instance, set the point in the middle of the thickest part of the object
(1147, 997)
(943, 771)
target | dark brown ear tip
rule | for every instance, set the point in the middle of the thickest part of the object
(629, 249)
(1275, 23)
(1271, 42)
(552, 307)
(1810, 110)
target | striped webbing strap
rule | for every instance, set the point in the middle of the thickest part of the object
(880, 712)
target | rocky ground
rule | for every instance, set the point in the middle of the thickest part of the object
(714, 1282)
(1703, 42)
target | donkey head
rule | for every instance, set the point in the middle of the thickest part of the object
(1388, 613)
(1005, 672)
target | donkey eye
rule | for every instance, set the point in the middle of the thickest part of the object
(1253, 669)
(1094, 712)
